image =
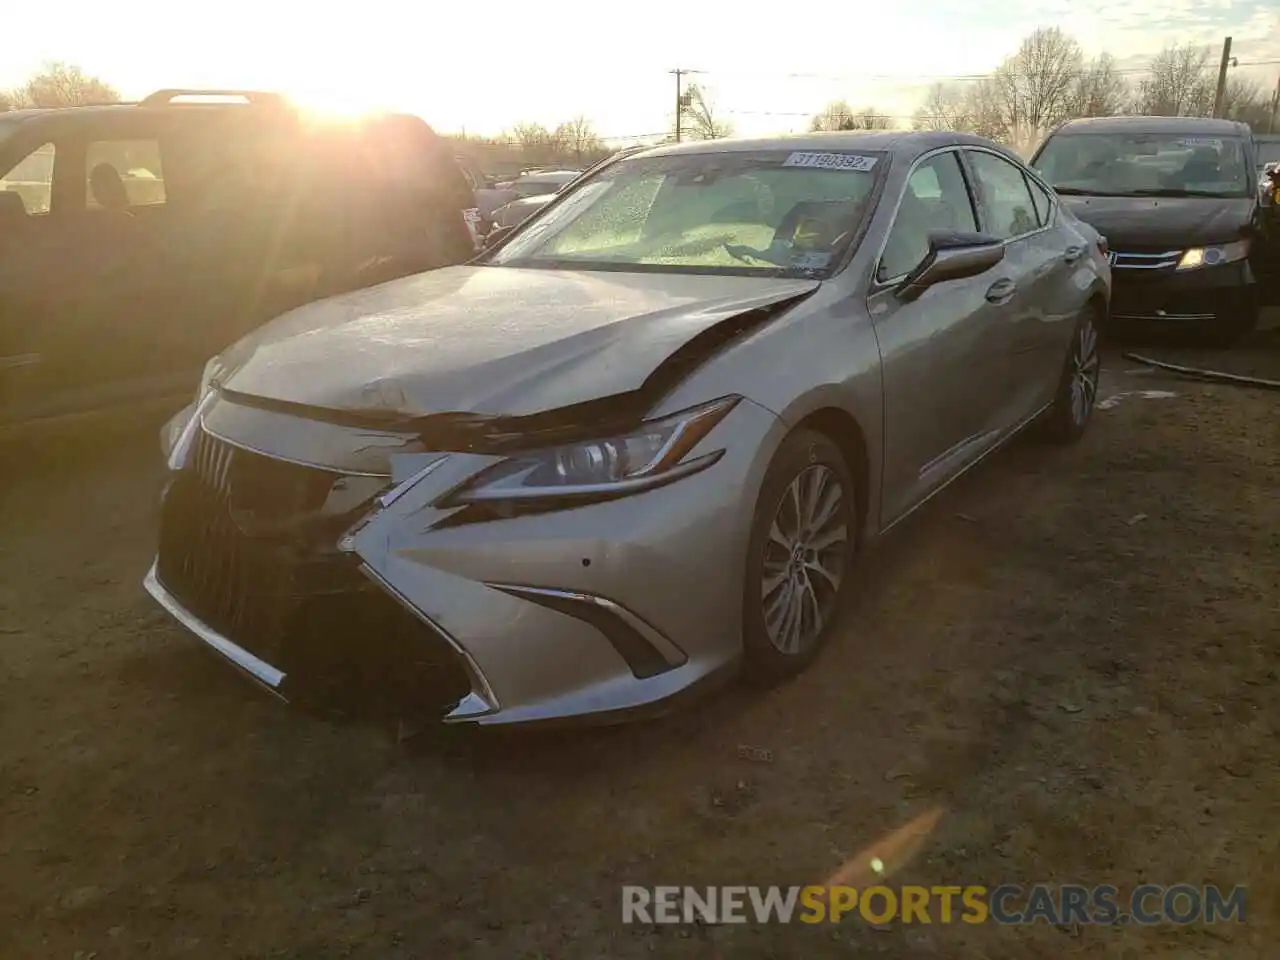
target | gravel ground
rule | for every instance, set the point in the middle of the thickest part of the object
(1071, 655)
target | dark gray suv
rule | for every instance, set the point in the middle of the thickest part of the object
(137, 240)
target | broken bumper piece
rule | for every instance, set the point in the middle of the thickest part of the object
(583, 614)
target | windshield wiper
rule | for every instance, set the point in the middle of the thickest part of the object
(1178, 192)
(1078, 192)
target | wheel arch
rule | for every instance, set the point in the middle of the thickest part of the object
(843, 429)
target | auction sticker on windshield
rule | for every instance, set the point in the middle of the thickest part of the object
(831, 161)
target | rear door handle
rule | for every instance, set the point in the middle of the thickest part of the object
(1001, 290)
(1072, 254)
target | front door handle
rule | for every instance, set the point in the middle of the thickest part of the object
(1001, 290)
(1072, 254)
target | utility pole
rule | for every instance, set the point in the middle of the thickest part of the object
(1275, 108)
(683, 100)
(1222, 77)
(679, 101)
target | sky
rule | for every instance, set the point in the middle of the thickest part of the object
(480, 68)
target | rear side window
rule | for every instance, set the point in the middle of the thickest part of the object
(32, 179)
(1006, 199)
(1040, 199)
(123, 173)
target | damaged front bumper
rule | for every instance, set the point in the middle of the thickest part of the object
(606, 609)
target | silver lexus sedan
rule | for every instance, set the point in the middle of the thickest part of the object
(640, 442)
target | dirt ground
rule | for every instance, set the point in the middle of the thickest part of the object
(1072, 654)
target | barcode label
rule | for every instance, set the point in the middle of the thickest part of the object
(853, 162)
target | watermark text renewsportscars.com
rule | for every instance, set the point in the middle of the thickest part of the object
(1006, 904)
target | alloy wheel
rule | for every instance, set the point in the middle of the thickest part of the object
(805, 558)
(1085, 365)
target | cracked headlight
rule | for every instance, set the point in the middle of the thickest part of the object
(648, 457)
(1215, 255)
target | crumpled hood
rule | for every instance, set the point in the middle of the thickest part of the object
(487, 340)
(1172, 222)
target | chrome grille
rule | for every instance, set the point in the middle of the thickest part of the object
(1137, 260)
(282, 592)
(239, 585)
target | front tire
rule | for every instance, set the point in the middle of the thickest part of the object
(799, 555)
(1078, 386)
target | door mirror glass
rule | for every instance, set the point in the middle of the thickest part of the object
(952, 255)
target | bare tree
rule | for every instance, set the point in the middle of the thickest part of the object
(6, 101)
(62, 85)
(579, 138)
(836, 115)
(1180, 85)
(1246, 101)
(537, 144)
(1101, 90)
(947, 106)
(699, 119)
(869, 118)
(1035, 86)
(985, 105)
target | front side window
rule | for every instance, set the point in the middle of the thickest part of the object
(1006, 199)
(32, 179)
(777, 212)
(123, 174)
(935, 198)
(1134, 165)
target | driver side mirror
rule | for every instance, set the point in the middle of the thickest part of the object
(953, 255)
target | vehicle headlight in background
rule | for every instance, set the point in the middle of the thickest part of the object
(1215, 255)
(647, 457)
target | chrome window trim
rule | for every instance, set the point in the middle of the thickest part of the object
(297, 463)
(1024, 169)
(878, 285)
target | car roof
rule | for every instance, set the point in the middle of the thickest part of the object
(169, 103)
(908, 142)
(39, 113)
(1173, 125)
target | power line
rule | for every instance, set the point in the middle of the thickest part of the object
(603, 137)
(944, 78)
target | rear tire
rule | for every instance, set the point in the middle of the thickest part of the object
(1077, 392)
(799, 556)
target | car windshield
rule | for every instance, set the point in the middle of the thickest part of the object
(1128, 165)
(775, 212)
(1268, 152)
